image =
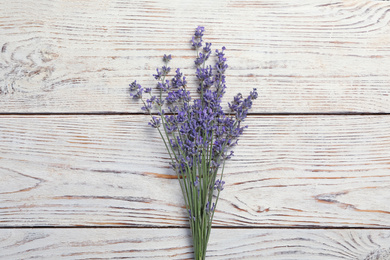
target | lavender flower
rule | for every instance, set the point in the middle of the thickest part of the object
(192, 217)
(134, 85)
(208, 209)
(199, 136)
(155, 122)
(139, 90)
(197, 38)
(196, 182)
(219, 185)
(167, 58)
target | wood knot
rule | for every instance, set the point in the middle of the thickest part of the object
(25, 67)
(14, 182)
(379, 254)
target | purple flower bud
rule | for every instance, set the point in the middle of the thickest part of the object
(158, 75)
(200, 59)
(148, 105)
(139, 92)
(197, 38)
(208, 209)
(214, 165)
(162, 86)
(219, 185)
(227, 157)
(190, 215)
(155, 122)
(134, 85)
(196, 182)
(167, 58)
(207, 47)
(254, 94)
(165, 70)
(199, 31)
(159, 102)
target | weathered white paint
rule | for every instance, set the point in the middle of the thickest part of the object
(303, 56)
(113, 170)
(113, 243)
(314, 56)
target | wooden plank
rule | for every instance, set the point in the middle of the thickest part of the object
(113, 170)
(303, 56)
(119, 243)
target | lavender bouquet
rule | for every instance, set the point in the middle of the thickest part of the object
(197, 133)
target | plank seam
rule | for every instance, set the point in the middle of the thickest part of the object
(249, 114)
(185, 227)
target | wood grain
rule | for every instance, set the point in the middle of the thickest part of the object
(303, 56)
(293, 178)
(113, 170)
(280, 244)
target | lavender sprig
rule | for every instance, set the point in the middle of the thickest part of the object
(198, 135)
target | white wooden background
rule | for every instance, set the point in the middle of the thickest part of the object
(83, 177)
